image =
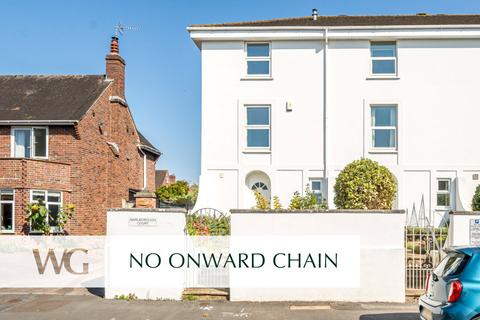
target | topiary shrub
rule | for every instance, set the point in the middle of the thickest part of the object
(476, 199)
(364, 184)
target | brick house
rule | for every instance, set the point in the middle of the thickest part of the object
(164, 178)
(70, 139)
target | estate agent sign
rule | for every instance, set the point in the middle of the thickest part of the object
(475, 232)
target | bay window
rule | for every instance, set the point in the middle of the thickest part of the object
(29, 142)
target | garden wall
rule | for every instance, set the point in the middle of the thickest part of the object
(143, 222)
(464, 228)
(382, 253)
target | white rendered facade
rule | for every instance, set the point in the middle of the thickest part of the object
(320, 93)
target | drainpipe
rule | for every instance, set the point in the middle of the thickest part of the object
(325, 113)
(144, 168)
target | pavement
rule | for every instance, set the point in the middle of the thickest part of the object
(71, 304)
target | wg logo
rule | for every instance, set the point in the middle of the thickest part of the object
(65, 262)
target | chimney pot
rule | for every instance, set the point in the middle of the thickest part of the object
(314, 14)
(114, 45)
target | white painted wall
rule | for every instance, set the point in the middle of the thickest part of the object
(382, 265)
(166, 222)
(459, 228)
(437, 113)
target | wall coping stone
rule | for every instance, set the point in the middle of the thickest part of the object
(465, 213)
(337, 211)
(154, 210)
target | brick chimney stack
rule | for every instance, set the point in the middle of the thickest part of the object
(116, 69)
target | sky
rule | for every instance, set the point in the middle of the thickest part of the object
(163, 86)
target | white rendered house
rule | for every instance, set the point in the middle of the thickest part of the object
(288, 103)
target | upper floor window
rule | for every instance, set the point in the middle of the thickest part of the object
(384, 58)
(258, 59)
(258, 127)
(384, 126)
(444, 193)
(52, 201)
(29, 142)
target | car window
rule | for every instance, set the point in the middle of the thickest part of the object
(452, 264)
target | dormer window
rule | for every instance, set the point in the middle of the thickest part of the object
(30, 142)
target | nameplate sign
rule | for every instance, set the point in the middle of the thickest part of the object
(142, 222)
(475, 232)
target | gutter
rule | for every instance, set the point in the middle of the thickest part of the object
(150, 149)
(49, 122)
(266, 28)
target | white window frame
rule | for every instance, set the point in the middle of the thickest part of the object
(46, 203)
(256, 126)
(322, 188)
(32, 144)
(373, 128)
(12, 202)
(269, 59)
(395, 59)
(449, 192)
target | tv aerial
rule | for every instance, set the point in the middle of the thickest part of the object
(120, 29)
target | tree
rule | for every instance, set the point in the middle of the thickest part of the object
(179, 193)
(476, 199)
(364, 184)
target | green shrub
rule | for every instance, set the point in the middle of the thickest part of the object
(476, 199)
(205, 225)
(364, 184)
(307, 202)
(276, 203)
(37, 214)
(261, 202)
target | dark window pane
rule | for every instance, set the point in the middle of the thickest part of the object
(258, 138)
(54, 197)
(6, 211)
(40, 141)
(384, 138)
(38, 196)
(384, 116)
(53, 210)
(443, 185)
(258, 50)
(6, 195)
(443, 199)
(316, 185)
(258, 67)
(384, 49)
(258, 116)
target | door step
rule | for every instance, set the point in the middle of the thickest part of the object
(201, 294)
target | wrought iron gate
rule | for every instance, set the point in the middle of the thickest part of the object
(424, 244)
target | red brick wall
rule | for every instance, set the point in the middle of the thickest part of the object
(82, 165)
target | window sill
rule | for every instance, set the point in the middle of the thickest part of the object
(383, 151)
(263, 78)
(7, 232)
(259, 150)
(386, 77)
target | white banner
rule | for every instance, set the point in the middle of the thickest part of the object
(180, 261)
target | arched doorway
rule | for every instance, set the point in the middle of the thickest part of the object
(259, 181)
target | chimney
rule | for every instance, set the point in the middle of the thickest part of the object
(115, 69)
(314, 14)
